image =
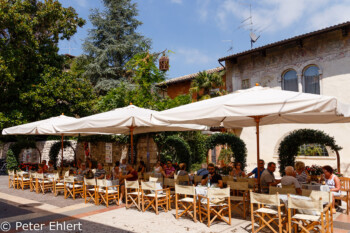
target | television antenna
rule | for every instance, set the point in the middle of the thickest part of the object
(248, 22)
(231, 47)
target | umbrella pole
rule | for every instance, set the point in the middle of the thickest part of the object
(257, 121)
(132, 144)
(62, 151)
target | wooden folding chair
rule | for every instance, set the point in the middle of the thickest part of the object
(345, 192)
(23, 181)
(132, 193)
(319, 221)
(265, 215)
(90, 190)
(13, 179)
(58, 184)
(197, 179)
(217, 203)
(240, 197)
(274, 190)
(153, 197)
(45, 184)
(170, 184)
(156, 179)
(182, 180)
(73, 188)
(33, 182)
(106, 193)
(188, 203)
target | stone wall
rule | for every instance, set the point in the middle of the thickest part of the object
(97, 151)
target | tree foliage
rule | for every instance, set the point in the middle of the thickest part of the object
(55, 149)
(113, 41)
(29, 35)
(289, 147)
(207, 85)
(11, 161)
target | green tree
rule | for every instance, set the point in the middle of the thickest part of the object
(113, 42)
(206, 85)
(59, 92)
(11, 161)
(29, 34)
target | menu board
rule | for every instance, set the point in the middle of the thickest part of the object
(108, 152)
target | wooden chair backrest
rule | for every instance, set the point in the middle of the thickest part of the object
(288, 186)
(266, 199)
(90, 181)
(295, 203)
(169, 182)
(184, 178)
(101, 182)
(66, 173)
(240, 186)
(218, 193)
(40, 176)
(11, 172)
(69, 179)
(316, 195)
(225, 179)
(185, 190)
(197, 179)
(132, 185)
(150, 186)
(274, 190)
(56, 176)
(345, 183)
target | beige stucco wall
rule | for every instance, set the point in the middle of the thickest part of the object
(331, 53)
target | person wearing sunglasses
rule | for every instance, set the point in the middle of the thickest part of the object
(212, 178)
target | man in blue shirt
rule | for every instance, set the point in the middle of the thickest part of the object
(255, 170)
(203, 171)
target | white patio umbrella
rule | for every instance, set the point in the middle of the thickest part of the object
(258, 106)
(130, 119)
(43, 127)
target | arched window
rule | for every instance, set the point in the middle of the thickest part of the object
(311, 80)
(312, 150)
(290, 81)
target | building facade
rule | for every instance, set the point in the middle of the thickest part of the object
(317, 62)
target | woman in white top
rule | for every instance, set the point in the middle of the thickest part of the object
(157, 170)
(333, 182)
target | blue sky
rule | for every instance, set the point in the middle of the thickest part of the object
(199, 32)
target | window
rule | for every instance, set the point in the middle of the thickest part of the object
(290, 81)
(311, 80)
(312, 150)
(245, 83)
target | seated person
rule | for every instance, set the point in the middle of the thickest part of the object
(255, 170)
(268, 178)
(100, 172)
(51, 168)
(114, 175)
(130, 176)
(203, 171)
(40, 168)
(82, 171)
(289, 179)
(182, 172)
(333, 182)
(301, 173)
(212, 177)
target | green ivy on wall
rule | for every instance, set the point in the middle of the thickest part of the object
(55, 149)
(236, 144)
(289, 147)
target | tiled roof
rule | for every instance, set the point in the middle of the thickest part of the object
(286, 41)
(189, 76)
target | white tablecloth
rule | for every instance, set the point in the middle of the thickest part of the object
(317, 187)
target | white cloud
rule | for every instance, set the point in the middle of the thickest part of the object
(203, 9)
(82, 3)
(193, 56)
(177, 1)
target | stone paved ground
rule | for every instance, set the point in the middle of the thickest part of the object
(56, 214)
